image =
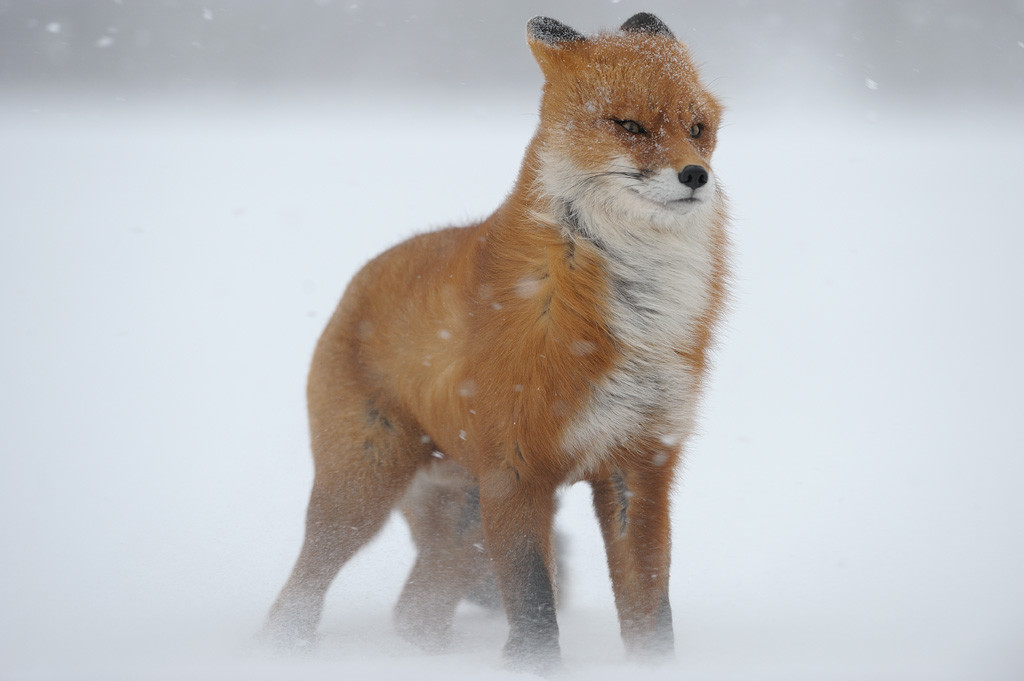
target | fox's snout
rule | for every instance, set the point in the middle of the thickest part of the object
(694, 176)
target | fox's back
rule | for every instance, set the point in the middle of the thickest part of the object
(399, 326)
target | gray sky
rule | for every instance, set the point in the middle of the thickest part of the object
(904, 49)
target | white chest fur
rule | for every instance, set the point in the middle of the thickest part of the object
(661, 278)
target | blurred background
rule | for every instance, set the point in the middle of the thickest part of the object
(186, 188)
(906, 49)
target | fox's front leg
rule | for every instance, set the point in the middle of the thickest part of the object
(517, 516)
(633, 509)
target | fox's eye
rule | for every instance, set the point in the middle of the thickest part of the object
(696, 130)
(632, 127)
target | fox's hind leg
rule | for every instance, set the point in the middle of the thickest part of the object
(365, 455)
(442, 507)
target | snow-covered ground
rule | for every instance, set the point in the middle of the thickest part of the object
(853, 508)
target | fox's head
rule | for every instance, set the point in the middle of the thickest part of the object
(627, 129)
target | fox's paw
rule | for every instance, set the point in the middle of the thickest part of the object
(431, 634)
(533, 655)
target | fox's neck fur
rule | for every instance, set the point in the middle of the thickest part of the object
(663, 282)
(666, 269)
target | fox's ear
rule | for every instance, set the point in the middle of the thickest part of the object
(647, 23)
(551, 32)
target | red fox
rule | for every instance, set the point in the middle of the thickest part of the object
(470, 372)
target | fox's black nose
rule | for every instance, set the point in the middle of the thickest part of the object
(693, 177)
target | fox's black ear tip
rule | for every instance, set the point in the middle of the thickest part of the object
(551, 31)
(645, 22)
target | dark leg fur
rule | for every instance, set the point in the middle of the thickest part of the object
(444, 519)
(517, 522)
(632, 508)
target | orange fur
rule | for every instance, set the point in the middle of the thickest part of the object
(499, 345)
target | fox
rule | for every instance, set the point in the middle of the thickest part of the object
(470, 373)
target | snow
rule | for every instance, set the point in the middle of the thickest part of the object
(850, 510)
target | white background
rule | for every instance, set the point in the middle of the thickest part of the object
(852, 508)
